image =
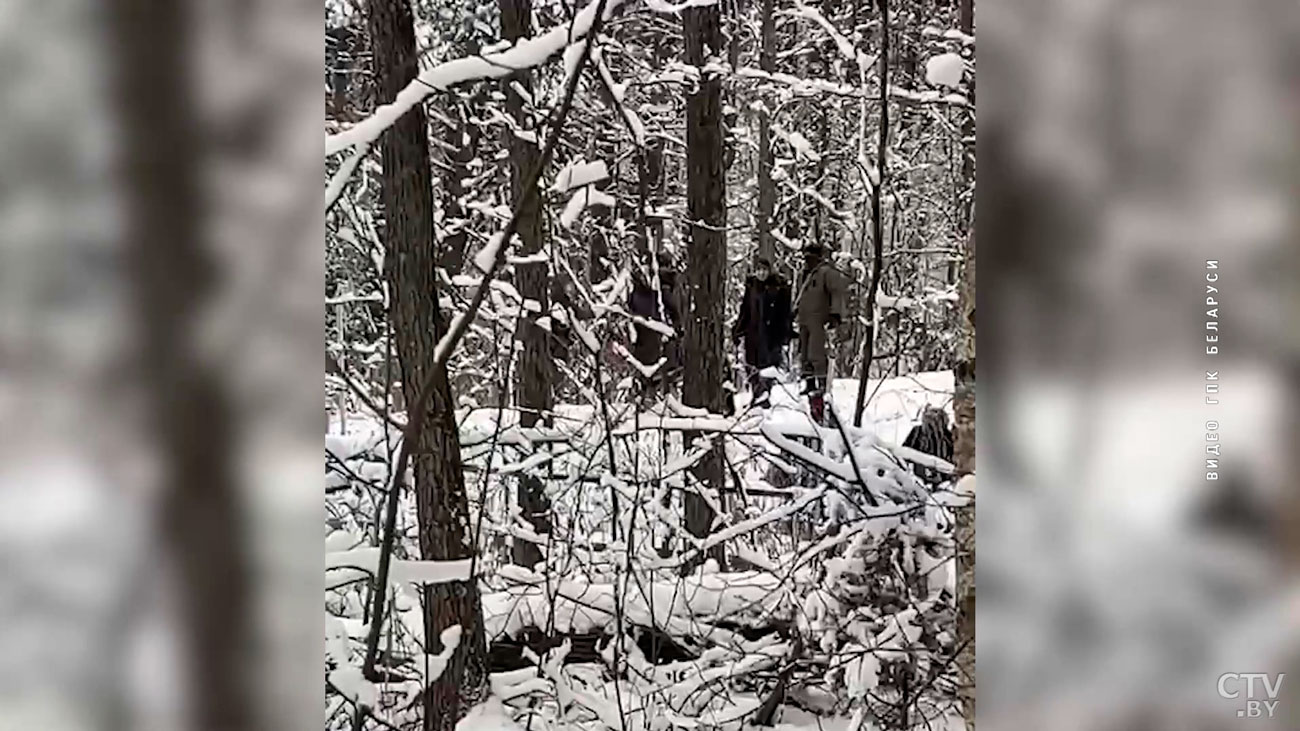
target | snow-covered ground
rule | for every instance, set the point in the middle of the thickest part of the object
(811, 575)
(892, 408)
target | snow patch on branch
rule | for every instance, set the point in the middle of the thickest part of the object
(946, 69)
(487, 716)
(579, 173)
(357, 563)
(660, 6)
(488, 254)
(581, 201)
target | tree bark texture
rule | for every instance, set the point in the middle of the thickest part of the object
(463, 136)
(964, 404)
(706, 252)
(535, 370)
(766, 185)
(406, 196)
(964, 461)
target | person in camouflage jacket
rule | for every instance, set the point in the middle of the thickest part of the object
(819, 305)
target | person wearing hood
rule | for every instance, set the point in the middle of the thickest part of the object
(819, 305)
(932, 436)
(764, 325)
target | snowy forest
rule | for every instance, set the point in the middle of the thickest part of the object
(650, 397)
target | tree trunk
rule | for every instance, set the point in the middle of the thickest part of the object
(964, 405)
(877, 220)
(706, 252)
(406, 196)
(766, 186)
(966, 195)
(463, 136)
(964, 461)
(201, 518)
(535, 366)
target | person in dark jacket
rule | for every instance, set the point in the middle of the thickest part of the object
(932, 436)
(764, 324)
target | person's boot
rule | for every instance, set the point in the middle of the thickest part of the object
(817, 407)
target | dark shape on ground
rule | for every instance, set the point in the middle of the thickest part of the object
(932, 436)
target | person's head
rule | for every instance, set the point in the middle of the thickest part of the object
(762, 268)
(935, 416)
(813, 253)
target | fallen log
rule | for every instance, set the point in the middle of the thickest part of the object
(506, 653)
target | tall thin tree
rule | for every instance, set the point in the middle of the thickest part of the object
(877, 219)
(966, 193)
(442, 505)
(964, 459)
(964, 404)
(706, 207)
(536, 370)
(462, 135)
(766, 185)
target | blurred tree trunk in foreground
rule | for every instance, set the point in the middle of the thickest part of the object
(172, 273)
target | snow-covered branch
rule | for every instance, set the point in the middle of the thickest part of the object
(525, 54)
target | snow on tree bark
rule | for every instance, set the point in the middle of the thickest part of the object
(706, 252)
(406, 195)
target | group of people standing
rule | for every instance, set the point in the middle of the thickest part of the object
(772, 314)
(766, 326)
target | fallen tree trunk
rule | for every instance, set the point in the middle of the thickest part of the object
(507, 653)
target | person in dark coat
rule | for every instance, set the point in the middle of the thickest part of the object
(932, 436)
(764, 324)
